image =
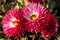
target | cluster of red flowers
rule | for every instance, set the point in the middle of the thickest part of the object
(38, 19)
(31, 18)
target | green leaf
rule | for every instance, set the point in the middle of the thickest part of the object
(5, 6)
(58, 17)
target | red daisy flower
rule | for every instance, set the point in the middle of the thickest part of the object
(32, 14)
(11, 24)
(44, 0)
(50, 27)
(34, 1)
(37, 1)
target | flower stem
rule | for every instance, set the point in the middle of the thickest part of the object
(18, 39)
(46, 39)
(33, 38)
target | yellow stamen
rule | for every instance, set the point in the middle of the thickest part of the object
(33, 17)
(14, 22)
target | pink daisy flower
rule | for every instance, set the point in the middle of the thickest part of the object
(50, 27)
(37, 1)
(11, 24)
(32, 14)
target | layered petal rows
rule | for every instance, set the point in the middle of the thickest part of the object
(32, 15)
(11, 24)
(50, 26)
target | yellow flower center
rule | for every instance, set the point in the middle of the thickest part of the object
(14, 22)
(33, 17)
